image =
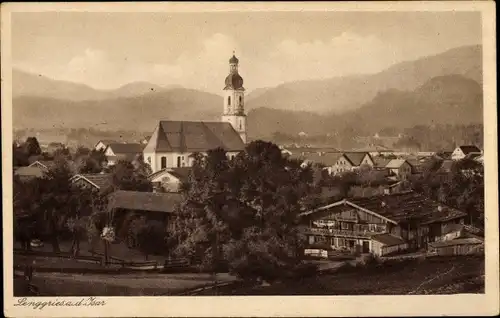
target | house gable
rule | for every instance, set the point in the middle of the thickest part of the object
(346, 210)
(163, 176)
(83, 182)
(367, 160)
(109, 152)
(344, 161)
(40, 165)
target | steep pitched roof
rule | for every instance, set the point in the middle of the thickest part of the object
(355, 158)
(99, 180)
(126, 148)
(144, 201)
(44, 164)
(191, 136)
(381, 162)
(469, 148)
(396, 163)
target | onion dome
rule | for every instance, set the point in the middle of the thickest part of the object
(233, 60)
(234, 81)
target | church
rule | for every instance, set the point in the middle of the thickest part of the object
(173, 142)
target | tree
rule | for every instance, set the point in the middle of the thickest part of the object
(89, 161)
(244, 213)
(124, 176)
(32, 147)
(19, 156)
(151, 238)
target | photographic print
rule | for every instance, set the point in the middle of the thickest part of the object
(327, 150)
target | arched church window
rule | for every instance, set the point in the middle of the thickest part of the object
(163, 162)
(240, 124)
(229, 100)
(241, 100)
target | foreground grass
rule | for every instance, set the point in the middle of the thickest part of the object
(145, 284)
(439, 275)
(450, 275)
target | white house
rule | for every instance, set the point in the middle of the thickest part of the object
(123, 151)
(350, 161)
(170, 179)
(103, 144)
(462, 151)
(173, 142)
(400, 168)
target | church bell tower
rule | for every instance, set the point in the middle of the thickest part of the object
(234, 100)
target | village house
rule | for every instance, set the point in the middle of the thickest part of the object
(170, 179)
(380, 224)
(29, 173)
(400, 168)
(350, 161)
(462, 151)
(96, 181)
(173, 143)
(125, 206)
(44, 165)
(101, 145)
(123, 151)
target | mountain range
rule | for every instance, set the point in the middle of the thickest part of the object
(445, 88)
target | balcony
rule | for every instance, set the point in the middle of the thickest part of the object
(358, 233)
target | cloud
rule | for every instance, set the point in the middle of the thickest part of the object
(205, 69)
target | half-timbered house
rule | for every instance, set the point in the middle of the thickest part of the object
(408, 221)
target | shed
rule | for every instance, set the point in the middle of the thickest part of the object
(385, 244)
(461, 246)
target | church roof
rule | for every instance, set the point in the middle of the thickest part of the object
(195, 136)
(233, 60)
(234, 81)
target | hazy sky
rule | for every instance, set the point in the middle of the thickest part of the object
(107, 50)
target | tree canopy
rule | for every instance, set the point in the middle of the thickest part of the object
(244, 212)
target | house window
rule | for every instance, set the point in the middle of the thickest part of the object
(178, 161)
(163, 162)
(149, 160)
(229, 100)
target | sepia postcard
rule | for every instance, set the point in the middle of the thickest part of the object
(249, 159)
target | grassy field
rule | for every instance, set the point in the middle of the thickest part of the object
(448, 275)
(145, 284)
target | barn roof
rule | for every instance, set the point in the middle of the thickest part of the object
(196, 136)
(144, 201)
